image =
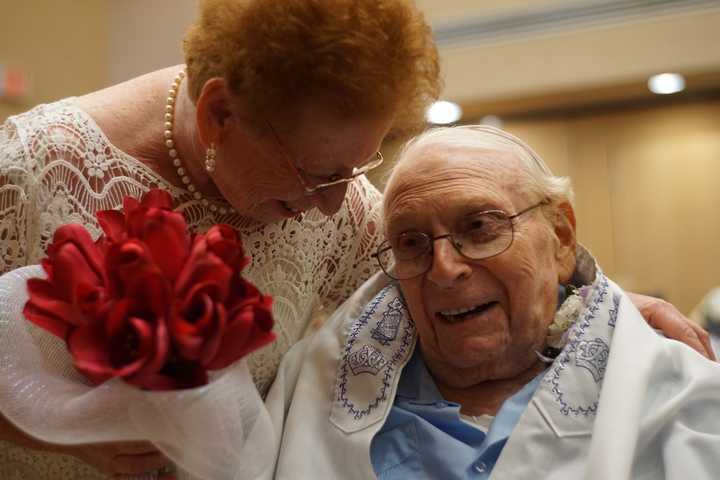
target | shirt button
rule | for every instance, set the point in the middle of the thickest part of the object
(480, 467)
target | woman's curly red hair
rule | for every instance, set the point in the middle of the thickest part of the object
(356, 56)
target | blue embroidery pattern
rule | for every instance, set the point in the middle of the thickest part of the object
(367, 360)
(614, 310)
(400, 351)
(592, 356)
(561, 363)
(387, 329)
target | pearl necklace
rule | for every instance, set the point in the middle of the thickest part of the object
(170, 144)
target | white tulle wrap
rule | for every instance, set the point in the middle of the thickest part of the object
(219, 431)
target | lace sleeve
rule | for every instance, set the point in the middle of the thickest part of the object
(15, 189)
(364, 203)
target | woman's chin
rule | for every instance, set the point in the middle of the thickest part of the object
(273, 211)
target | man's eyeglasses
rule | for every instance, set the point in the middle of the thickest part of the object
(485, 235)
(376, 160)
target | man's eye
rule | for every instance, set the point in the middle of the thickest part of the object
(409, 244)
(476, 224)
(481, 235)
(484, 229)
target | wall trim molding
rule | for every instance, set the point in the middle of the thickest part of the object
(486, 29)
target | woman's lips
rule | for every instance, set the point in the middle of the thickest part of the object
(289, 211)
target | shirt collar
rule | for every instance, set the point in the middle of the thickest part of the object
(416, 383)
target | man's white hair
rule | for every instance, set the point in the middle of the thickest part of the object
(540, 180)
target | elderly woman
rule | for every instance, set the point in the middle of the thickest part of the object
(500, 348)
(280, 108)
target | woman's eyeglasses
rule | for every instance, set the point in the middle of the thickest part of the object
(376, 160)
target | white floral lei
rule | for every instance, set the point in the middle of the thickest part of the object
(558, 331)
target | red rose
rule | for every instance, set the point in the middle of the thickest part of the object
(207, 325)
(224, 241)
(249, 325)
(128, 263)
(153, 222)
(74, 291)
(199, 318)
(132, 343)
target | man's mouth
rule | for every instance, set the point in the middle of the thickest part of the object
(455, 315)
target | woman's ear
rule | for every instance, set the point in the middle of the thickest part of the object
(566, 241)
(214, 114)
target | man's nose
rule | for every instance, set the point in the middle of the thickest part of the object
(448, 266)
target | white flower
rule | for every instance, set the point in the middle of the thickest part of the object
(565, 316)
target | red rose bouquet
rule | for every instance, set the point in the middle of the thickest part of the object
(148, 301)
(150, 305)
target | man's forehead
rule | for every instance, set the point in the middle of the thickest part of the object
(463, 180)
(435, 162)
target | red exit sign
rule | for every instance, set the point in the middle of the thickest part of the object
(14, 82)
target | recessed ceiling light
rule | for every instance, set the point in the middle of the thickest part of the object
(443, 112)
(666, 83)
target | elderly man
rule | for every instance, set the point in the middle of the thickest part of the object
(493, 346)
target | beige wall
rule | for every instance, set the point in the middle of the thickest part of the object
(146, 35)
(74, 47)
(62, 45)
(647, 193)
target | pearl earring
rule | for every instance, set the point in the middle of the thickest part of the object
(214, 206)
(210, 154)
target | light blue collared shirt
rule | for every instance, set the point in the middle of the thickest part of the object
(425, 438)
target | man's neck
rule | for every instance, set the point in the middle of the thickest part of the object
(486, 398)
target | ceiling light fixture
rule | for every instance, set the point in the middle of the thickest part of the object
(443, 112)
(666, 83)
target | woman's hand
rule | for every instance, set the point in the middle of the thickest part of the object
(120, 460)
(662, 315)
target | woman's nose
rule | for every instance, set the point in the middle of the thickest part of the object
(448, 266)
(329, 200)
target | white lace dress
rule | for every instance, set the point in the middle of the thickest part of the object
(57, 167)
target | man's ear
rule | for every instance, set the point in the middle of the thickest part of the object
(214, 114)
(566, 241)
